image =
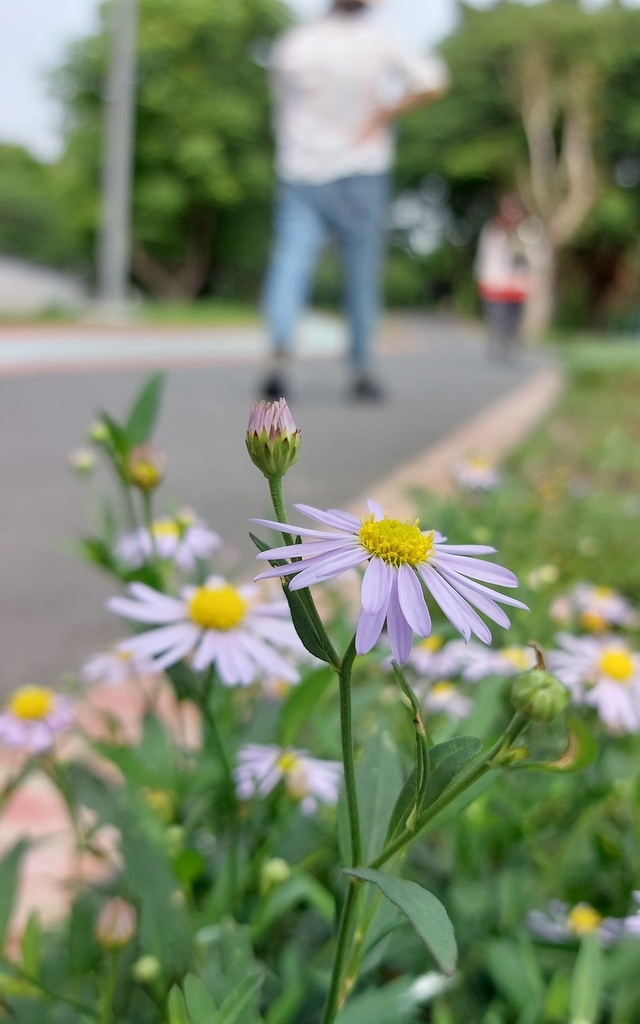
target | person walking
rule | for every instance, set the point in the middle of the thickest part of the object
(338, 83)
(503, 275)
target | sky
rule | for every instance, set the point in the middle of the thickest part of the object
(34, 35)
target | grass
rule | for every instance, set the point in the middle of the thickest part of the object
(200, 313)
(571, 494)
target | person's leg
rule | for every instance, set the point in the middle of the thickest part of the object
(299, 237)
(360, 213)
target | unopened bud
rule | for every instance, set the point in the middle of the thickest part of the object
(82, 461)
(116, 924)
(98, 432)
(273, 440)
(145, 467)
(274, 873)
(539, 695)
(146, 969)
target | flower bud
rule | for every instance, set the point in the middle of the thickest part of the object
(274, 873)
(82, 461)
(98, 432)
(539, 695)
(116, 924)
(145, 467)
(273, 440)
(147, 969)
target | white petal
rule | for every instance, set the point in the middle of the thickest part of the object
(376, 586)
(412, 602)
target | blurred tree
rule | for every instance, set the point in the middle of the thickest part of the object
(32, 215)
(203, 146)
(533, 93)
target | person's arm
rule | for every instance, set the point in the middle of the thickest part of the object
(429, 81)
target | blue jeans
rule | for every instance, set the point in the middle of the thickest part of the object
(354, 210)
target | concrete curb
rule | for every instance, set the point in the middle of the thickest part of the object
(493, 433)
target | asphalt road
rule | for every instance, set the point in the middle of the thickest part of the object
(51, 604)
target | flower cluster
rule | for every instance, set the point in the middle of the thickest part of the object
(182, 539)
(261, 767)
(561, 923)
(32, 718)
(602, 672)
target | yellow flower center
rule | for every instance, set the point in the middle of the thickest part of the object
(394, 542)
(583, 920)
(593, 621)
(287, 762)
(217, 607)
(31, 703)
(479, 462)
(617, 665)
(442, 689)
(165, 528)
(431, 643)
(602, 593)
(519, 657)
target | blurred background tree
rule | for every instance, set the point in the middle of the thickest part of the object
(543, 98)
(203, 172)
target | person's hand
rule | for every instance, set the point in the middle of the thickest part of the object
(375, 125)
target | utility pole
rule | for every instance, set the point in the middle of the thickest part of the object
(114, 250)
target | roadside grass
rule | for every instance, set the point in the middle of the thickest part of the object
(199, 313)
(570, 499)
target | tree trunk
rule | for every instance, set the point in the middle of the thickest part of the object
(182, 283)
(538, 315)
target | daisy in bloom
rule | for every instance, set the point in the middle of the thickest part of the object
(562, 923)
(601, 607)
(183, 539)
(32, 718)
(476, 473)
(509, 661)
(445, 697)
(601, 671)
(432, 658)
(261, 767)
(215, 624)
(401, 562)
(114, 667)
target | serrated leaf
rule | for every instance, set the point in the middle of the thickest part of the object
(422, 909)
(144, 412)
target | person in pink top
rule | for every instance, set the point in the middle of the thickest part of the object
(503, 275)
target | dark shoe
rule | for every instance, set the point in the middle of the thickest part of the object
(273, 388)
(364, 389)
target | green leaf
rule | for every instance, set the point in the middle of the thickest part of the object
(446, 760)
(300, 888)
(425, 912)
(304, 625)
(516, 973)
(238, 1000)
(581, 750)
(177, 1008)
(200, 1004)
(378, 778)
(9, 871)
(144, 413)
(117, 435)
(31, 947)
(586, 983)
(395, 1003)
(298, 708)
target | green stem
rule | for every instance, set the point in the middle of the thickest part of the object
(277, 500)
(337, 989)
(108, 989)
(514, 728)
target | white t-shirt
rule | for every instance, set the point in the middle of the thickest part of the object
(329, 79)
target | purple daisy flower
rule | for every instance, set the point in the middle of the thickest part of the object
(402, 562)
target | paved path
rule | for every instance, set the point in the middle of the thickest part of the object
(52, 382)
